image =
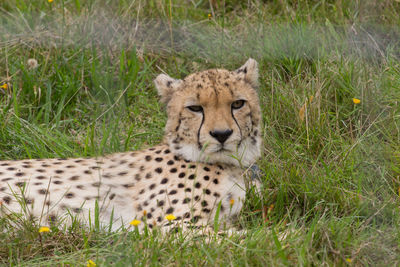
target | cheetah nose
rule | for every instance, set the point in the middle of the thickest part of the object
(221, 136)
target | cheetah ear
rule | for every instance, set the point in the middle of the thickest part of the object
(166, 86)
(250, 72)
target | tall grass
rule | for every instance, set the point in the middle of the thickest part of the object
(331, 185)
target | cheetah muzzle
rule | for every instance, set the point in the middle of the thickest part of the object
(212, 137)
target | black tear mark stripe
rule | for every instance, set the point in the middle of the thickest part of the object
(240, 130)
(179, 122)
(198, 132)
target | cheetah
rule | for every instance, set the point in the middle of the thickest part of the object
(212, 136)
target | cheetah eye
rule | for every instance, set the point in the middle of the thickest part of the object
(195, 108)
(238, 104)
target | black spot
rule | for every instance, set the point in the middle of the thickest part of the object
(197, 185)
(122, 173)
(192, 176)
(145, 203)
(40, 177)
(207, 191)
(192, 166)
(7, 199)
(20, 184)
(173, 170)
(204, 203)
(141, 168)
(69, 195)
(131, 165)
(148, 158)
(170, 210)
(40, 170)
(149, 216)
(172, 192)
(170, 162)
(11, 169)
(160, 203)
(206, 177)
(42, 191)
(159, 159)
(162, 191)
(216, 194)
(167, 151)
(77, 210)
(4, 164)
(169, 83)
(206, 169)
(19, 174)
(123, 161)
(180, 185)
(111, 197)
(197, 198)
(152, 196)
(183, 166)
(141, 191)
(6, 179)
(2, 189)
(206, 210)
(80, 187)
(96, 184)
(186, 215)
(177, 158)
(164, 181)
(215, 181)
(78, 160)
(181, 175)
(26, 166)
(158, 151)
(70, 166)
(195, 219)
(152, 149)
(174, 201)
(220, 167)
(128, 185)
(139, 207)
(148, 175)
(45, 165)
(186, 200)
(88, 172)
(188, 189)
(57, 182)
(218, 173)
(152, 186)
(158, 170)
(137, 177)
(159, 219)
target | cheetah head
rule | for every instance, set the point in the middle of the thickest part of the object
(214, 116)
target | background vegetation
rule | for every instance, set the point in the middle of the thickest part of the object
(332, 172)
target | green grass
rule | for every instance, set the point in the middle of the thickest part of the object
(331, 180)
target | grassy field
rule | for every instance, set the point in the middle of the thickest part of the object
(332, 166)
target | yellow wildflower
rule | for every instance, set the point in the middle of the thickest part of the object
(135, 222)
(90, 263)
(50, 1)
(209, 16)
(356, 101)
(170, 217)
(231, 202)
(348, 260)
(44, 229)
(4, 86)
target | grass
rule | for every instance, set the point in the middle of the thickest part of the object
(331, 183)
